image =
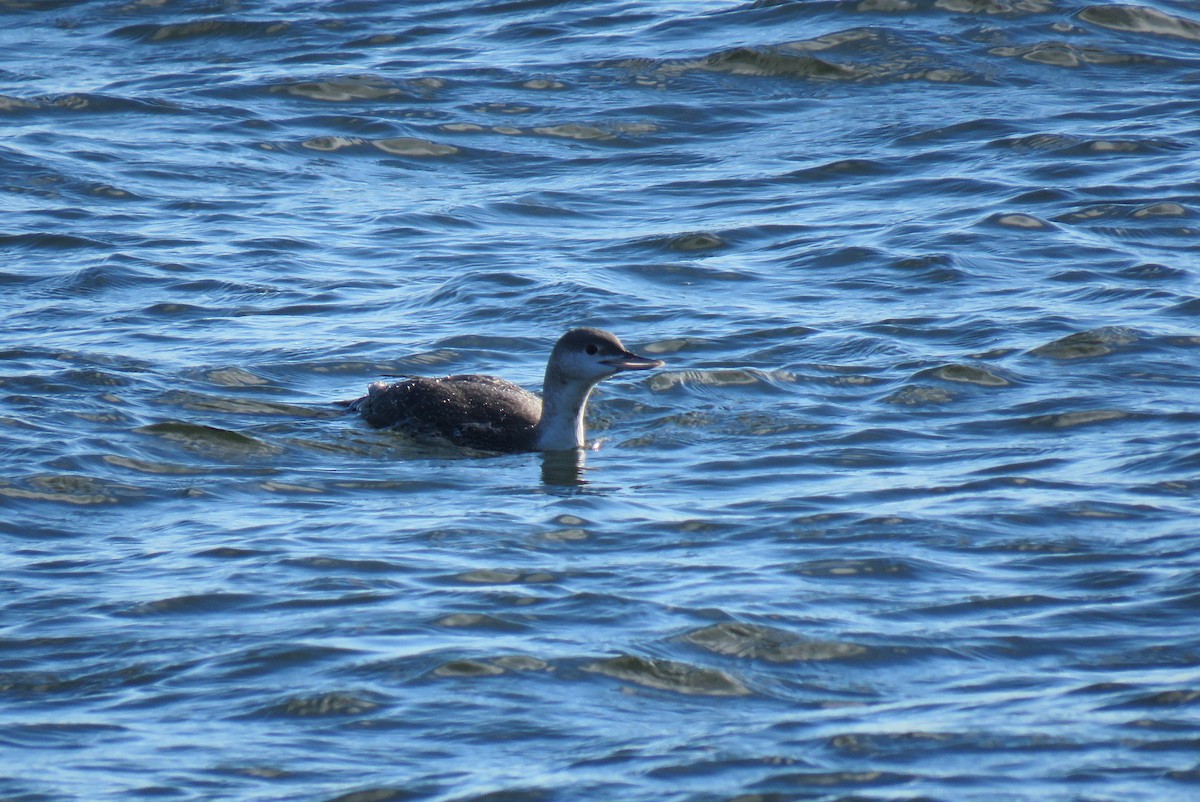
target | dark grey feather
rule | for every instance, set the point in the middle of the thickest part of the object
(480, 412)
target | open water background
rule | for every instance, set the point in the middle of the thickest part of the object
(910, 514)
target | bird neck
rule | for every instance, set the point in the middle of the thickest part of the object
(564, 404)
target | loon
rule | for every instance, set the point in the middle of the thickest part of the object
(490, 414)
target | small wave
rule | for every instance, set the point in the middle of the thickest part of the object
(70, 489)
(200, 402)
(767, 643)
(493, 667)
(210, 440)
(1066, 54)
(842, 783)
(770, 62)
(1020, 220)
(325, 564)
(467, 668)
(326, 705)
(1067, 420)
(203, 29)
(668, 675)
(966, 374)
(872, 567)
(1059, 143)
(9, 104)
(52, 241)
(844, 170)
(190, 604)
(917, 395)
(1141, 19)
(99, 279)
(1088, 344)
(1128, 211)
(74, 735)
(494, 576)
(340, 90)
(395, 146)
(480, 621)
(719, 377)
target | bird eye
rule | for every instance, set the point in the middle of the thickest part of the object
(591, 349)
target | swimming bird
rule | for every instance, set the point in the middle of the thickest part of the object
(491, 414)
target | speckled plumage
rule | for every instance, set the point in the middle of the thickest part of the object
(471, 411)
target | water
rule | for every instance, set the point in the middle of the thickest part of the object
(909, 514)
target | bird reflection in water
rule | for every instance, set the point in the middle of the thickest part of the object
(564, 468)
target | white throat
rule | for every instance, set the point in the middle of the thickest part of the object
(564, 404)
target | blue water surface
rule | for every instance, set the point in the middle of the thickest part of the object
(910, 513)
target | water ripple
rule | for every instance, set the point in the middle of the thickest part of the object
(909, 511)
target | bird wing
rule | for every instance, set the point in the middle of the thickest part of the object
(475, 411)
